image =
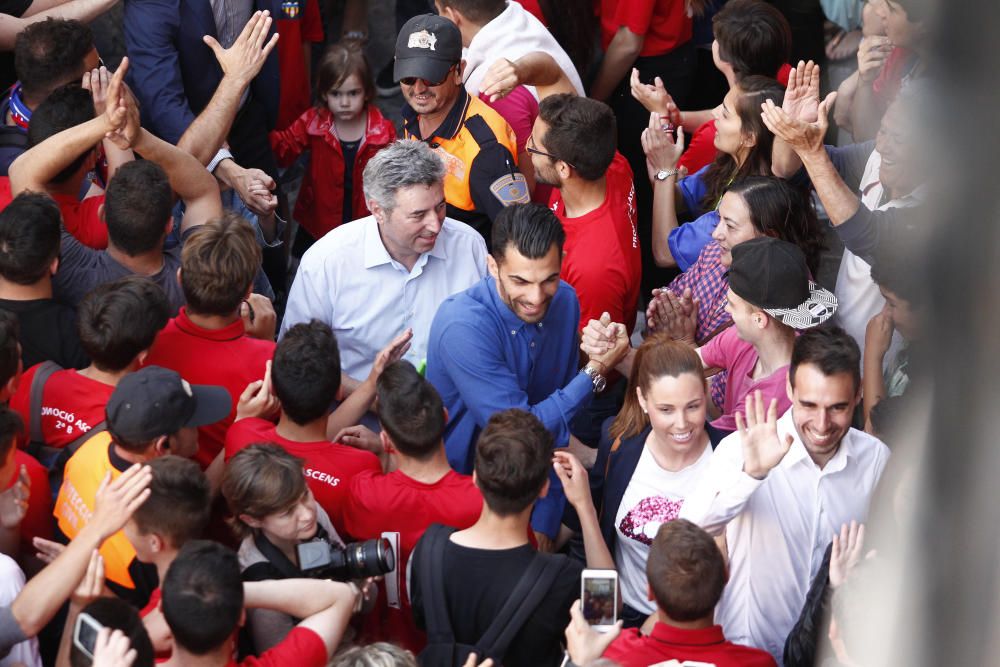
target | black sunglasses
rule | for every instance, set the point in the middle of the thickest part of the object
(412, 80)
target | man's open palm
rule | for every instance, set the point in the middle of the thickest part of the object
(763, 449)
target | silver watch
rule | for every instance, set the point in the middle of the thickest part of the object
(595, 376)
(664, 174)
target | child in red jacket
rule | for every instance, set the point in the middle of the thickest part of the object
(342, 131)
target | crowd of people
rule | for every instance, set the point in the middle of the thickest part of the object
(609, 292)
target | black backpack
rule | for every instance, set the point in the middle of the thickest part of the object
(52, 458)
(442, 650)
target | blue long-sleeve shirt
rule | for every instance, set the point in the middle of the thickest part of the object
(483, 359)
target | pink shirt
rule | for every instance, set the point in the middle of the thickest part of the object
(739, 357)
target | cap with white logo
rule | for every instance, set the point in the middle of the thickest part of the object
(427, 47)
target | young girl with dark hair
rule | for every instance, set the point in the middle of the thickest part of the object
(342, 132)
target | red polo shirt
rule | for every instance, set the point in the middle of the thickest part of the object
(72, 404)
(602, 261)
(664, 23)
(707, 645)
(226, 357)
(396, 503)
(328, 466)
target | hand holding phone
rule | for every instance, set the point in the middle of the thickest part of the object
(599, 598)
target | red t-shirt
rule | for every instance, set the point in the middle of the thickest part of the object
(664, 23)
(329, 466)
(226, 357)
(298, 24)
(602, 261)
(82, 219)
(154, 601)
(535, 9)
(396, 503)
(301, 647)
(72, 404)
(37, 521)
(705, 646)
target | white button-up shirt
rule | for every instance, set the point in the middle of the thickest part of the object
(777, 529)
(348, 280)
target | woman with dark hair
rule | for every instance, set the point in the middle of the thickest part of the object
(650, 457)
(744, 149)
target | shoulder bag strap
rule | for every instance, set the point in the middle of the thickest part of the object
(436, 619)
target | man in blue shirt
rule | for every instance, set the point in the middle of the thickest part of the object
(510, 341)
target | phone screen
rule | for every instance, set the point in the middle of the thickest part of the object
(86, 634)
(599, 600)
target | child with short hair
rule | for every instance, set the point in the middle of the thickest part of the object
(342, 132)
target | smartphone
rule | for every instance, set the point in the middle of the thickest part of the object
(599, 598)
(85, 634)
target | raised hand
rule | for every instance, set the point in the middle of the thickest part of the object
(115, 106)
(113, 649)
(655, 98)
(256, 189)
(803, 137)
(391, 353)
(92, 585)
(257, 400)
(763, 449)
(872, 54)
(14, 501)
(583, 643)
(245, 58)
(597, 337)
(574, 478)
(846, 552)
(472, 661)
(676, 316)
(259, 319)
(618, 345)
(47, 550)
(97, 82)
(662, 150)
(801, 101)
(116, 501)
(500, 80)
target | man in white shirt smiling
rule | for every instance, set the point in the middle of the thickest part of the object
(780, 488)
(373, 278)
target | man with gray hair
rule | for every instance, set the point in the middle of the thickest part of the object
(373, 278)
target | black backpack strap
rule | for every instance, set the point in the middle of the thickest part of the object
(480, 130)
(436, 620)
(37, 389)
(533, 586)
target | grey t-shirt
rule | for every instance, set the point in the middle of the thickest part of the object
(81, 269)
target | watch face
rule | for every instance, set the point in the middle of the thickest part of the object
(599, 384)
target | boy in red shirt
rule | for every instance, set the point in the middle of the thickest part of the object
(203, 603)
(686, 575)
(224, 335)
(118, 323)
(400, 505)
(305, 376)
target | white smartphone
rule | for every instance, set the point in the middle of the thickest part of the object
(85, 634)
(599, 598)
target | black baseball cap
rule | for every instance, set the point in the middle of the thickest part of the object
(427, 47)
(772, 274)
(156, 401)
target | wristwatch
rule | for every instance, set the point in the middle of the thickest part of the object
(595, 376)
(664, 174)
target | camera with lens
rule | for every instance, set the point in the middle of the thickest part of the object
(321, 560)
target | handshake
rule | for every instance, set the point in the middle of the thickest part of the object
(605, 343)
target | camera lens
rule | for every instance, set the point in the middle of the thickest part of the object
(369, 559)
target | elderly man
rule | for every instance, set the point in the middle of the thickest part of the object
(475, 142)
(374, 278)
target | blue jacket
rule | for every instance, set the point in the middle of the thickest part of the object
(173, 72)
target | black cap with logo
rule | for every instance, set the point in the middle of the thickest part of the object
(773, 275)
(156, 401)
(427, 47)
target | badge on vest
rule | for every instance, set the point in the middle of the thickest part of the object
(290, 9)
(510, 189)
(421, 40)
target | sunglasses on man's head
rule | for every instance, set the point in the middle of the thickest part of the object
(412, 80)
